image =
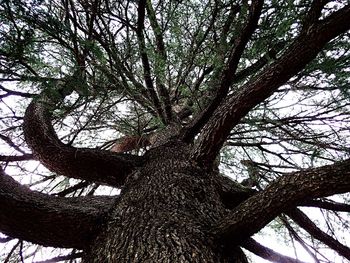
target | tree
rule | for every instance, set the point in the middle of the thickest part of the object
(150, 97)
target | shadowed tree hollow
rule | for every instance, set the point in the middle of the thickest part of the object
(158, 102)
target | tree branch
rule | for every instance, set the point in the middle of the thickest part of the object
(161, 51)
(17, 93)
(327, 204)
(16, 158)
(287, 191)
(229, 70)
(145, 61)
(267, 253)
(304, 49)
(304, 222)
(314, 12)
(48, 220)
(92, 165)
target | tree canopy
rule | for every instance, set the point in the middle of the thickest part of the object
(258, 89)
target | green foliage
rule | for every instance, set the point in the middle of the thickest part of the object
(93, 53)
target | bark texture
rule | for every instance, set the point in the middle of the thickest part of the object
(164, 215)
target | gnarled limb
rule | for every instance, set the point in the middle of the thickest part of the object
(87, 164)
(48, 220)
(286, 192)
(305, 48)
(267, 253)
(304, 222)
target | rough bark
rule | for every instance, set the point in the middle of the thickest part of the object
(170, 210)
(164, 214)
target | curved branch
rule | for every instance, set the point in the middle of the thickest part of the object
(267, 253)
(48, 220)
(303, 50)
(82, 163)
(287, 191)
(304, 222)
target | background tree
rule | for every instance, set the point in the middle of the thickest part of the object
(158, 100)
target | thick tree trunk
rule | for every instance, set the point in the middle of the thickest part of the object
(164, 214)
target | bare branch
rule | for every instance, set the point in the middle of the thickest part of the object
(16, 93)
(267, 253)
(160, 77)
(15, 158)
(327, 204)
(61, 258)
(11, 143)
(303, 221)
(5, 239)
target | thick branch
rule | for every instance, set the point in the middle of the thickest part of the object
(304, 222)
(47, 220)
(267, 253)
(286, 192)
(304, 49)
(87, 164)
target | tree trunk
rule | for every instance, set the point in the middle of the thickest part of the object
(164, 214)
